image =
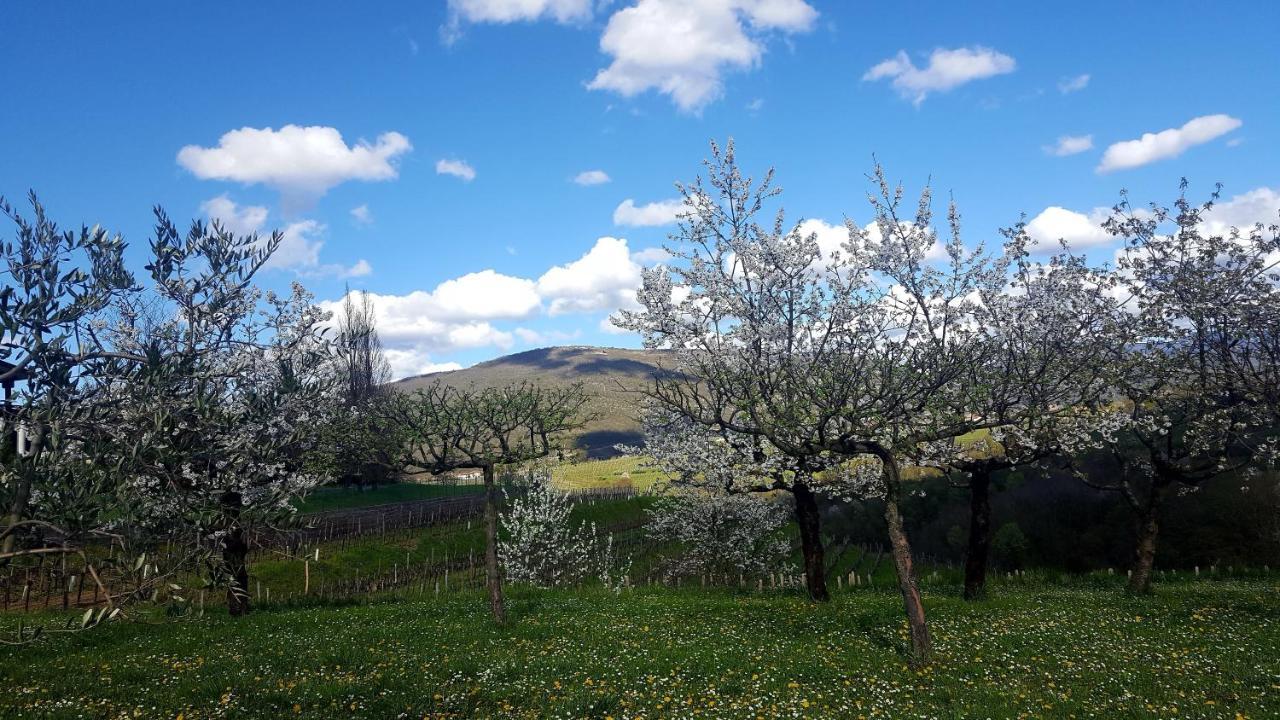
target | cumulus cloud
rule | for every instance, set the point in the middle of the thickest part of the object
(591, 177)
(456, 168)
(484, 295)
(300, 245)
(302, 163)
(1070, 145)
(680, 48)
(650, 255)
(362, 215)
(606, 325)
(1167, 143)
(1069, 85)
(510, 11)
(831, 238)
(462, 313)
(1080, 230)
(422, 321)
(606, 278)
(1261, 205)
(947, 69)
(411, 361)
(234, 219)
(663, 212)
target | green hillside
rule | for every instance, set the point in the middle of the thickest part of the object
(610, 376)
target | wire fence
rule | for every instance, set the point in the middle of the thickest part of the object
(48, 582)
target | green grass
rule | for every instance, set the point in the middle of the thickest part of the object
(626, 471)
(340, 498)
(365, 556)
(1194, 649)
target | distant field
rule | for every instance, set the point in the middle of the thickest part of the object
(620, 472)
(338, 498)
(613, 474)
(1196, 649)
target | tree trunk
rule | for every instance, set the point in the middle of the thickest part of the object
(492, 571)
(21, 493)
(921, 646)
(235, 556)
(1147, 531)
(979, 550)
(809, 520)
(17, 509)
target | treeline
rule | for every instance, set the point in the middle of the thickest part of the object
(1051, 520)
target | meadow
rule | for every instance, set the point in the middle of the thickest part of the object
(1084, 649)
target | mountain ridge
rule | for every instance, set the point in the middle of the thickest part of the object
(611, 378)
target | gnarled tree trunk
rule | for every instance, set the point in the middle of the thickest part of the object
(1148, 528)
(921, 645)
(235, 556)
(810, 522)
(979, 549)
(17, 509)
(492, 571)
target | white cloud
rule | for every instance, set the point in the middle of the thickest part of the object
(301, 162)
(1166, 143)
(456, 168)
(407, 362)
(235, 219)
(1261, 205)
(650, 256)
(1070, 145)
(300, 245)
(362, 215)
(606, 325)
(510, 11)
(681, 47)
(484, 295)
(831, 238)
(755, 105)
(606, 278)
(360, 269)
(299, 248)
(1073, 84)
(663, 212)
(592, 177)
(1078, 229)
(460, 313)
(430, 324)
(947, 69)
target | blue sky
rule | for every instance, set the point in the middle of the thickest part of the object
(460, 127)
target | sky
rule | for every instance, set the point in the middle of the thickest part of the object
(495, 173)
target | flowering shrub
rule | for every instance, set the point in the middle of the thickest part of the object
(718, 533)
(543, 547)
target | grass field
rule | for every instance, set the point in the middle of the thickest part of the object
(1195, 649)
(342, 498)
(364, 556)
(615, 473)
(619, 472)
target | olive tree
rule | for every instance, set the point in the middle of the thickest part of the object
(56, 285)
(211, 432)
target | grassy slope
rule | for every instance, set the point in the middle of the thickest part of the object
(365, 556)
(339, 498)
(606, 374)
(1206, 649)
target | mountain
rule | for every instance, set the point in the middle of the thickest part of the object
(610, 377)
